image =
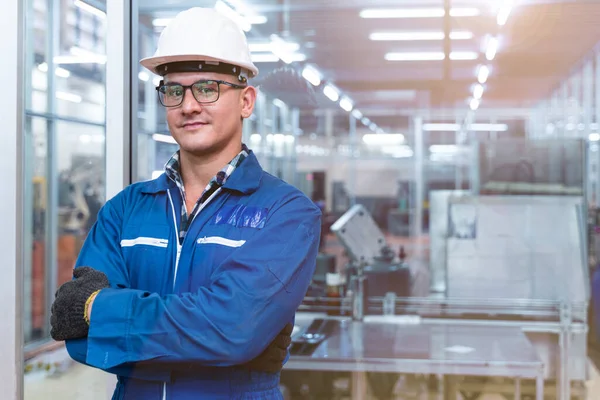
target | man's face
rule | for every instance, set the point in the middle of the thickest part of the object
(204, 129)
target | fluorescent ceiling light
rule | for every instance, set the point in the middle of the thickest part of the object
(464, 55)
(383, 139)
(464, 12)
(346, 104)
(264, 58)
(144, 76)
(282, 49)
(442, 127)
(73, 98)
(163, 138)
(424, 56)
(92, 10)
(61, 72)
(278, 103)
(492, 48)
(331, 92)
(230, 13)
(407, 36)
(483, 73)
(356, 113)
(288, 47)
(439, 127)
(372, 126)
(461, 35)
(417, 12)
(594, 137)
(488, 127)
(161, 22)
(256, 19)
(365, 121)
(474, 104)
(255, 137)
(80, 56)
(419, 35)
(504, 12)
(311, 75)
(477, 91)
(446, 148)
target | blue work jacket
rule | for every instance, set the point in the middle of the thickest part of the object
(177, 319)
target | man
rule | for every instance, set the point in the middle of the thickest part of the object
(186, 277)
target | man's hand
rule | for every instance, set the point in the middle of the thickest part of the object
(68, 318)
(271, 360)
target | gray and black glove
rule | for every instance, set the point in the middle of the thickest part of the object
(68, 310)
(271, 360)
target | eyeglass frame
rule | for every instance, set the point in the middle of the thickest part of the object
(186, 87)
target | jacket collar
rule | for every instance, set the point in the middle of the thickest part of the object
(245, 179)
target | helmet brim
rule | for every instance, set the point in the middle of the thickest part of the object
(151, 63)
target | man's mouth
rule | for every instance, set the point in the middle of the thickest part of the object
(193, 125)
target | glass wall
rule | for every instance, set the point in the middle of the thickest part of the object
(65, 162)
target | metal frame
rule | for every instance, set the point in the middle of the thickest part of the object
(12, 25)
(119, 91)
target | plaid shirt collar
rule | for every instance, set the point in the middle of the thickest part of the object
(173, 172)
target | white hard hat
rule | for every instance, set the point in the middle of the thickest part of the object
(201, 39)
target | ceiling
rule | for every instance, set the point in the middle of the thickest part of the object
(538, 46)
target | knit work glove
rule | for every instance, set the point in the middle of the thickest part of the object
(68, 310)
(271, 360)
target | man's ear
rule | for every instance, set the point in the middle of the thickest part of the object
(248, 99)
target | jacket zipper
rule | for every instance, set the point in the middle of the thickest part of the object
(179, 247)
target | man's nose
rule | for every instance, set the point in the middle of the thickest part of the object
(190, 104)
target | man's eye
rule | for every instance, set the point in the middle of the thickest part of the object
(174, 91)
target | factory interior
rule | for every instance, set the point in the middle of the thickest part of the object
(442, 140)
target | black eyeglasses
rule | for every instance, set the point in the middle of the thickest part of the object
(206, 91)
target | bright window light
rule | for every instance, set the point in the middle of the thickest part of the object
(417, 12)
(431, 56)
(477, 91)
(346, 104)
(492, 48)
(230, 13)
(331, 92)
(464, 55)
(311, 75)
(73, 98)
(383, 139)
(504, 12)
(474, 104)
(92, 10)
(163, 138)
(483, 73)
